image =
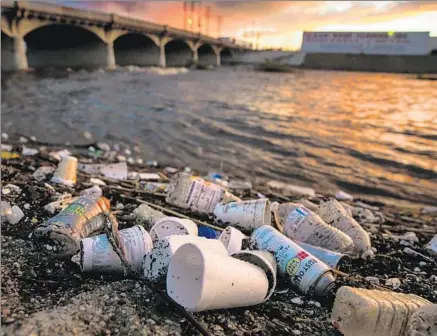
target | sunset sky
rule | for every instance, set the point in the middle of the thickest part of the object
(280, 24)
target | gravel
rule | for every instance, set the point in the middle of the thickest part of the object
(44, 296)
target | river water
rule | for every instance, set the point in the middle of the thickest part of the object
(373, 135)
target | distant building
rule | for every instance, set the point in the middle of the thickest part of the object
(368, 43)
(239, 42)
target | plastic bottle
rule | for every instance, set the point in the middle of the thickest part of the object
(191, 192)
(305, 271)
(62, 233)
(302, 225)
(333, 213)
(363, 312)
(423, 322)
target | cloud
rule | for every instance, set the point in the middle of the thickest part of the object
(277, 20)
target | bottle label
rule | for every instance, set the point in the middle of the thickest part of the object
(296, 217)
(302, 268)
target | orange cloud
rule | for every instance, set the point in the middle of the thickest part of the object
(281, 23)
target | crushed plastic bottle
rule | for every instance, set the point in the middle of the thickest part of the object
(63, 232)
(423, 322)
(302, 225)
(147, 216)
(363, 312)
(333, 213)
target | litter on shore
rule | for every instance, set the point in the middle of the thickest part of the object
(226, 256)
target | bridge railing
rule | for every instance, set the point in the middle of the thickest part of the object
(119, 21)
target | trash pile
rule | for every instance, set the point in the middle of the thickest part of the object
(101, 244)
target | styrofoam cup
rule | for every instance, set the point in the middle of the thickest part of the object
(169, 226)
(97, 254)
(266, 261)
(248, 215)
(66, 173)
(232, 239)
(199, 279)
(155, 264)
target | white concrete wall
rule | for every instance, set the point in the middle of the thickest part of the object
(257, 57)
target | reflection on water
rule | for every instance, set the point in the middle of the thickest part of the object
(364, 133)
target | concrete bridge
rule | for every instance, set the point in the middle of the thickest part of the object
(38, 35)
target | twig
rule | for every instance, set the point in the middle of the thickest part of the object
(135, 190)
(121, 254)
(174, 213)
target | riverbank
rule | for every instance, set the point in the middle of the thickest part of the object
(49, 297)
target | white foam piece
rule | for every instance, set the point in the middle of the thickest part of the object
(99, 256)
(199, 279)
(264, 260)
(232, 239)
(66, 172)
(246, 214)
(155, 264)
(169, 226)
(117, 171)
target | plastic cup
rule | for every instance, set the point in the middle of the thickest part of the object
(155, 264)
(66, 172)
(264, 260)
(169, 226)
(232, 239)
(97, 254)
(199, 279)
(248, 215)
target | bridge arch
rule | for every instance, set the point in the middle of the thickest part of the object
(226, 56)
(136, 49)
(64, 45)
(178, 53)
(207, 55)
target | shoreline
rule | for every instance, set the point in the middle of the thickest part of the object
(49, 296)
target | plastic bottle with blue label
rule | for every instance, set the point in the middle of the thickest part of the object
(303, 225)
(306, 272)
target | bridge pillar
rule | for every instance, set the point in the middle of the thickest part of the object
(13, 55)
(217, 51)
(162, 59)
(110, 55)
(195, 56)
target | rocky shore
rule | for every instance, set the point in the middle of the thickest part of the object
(43, 296)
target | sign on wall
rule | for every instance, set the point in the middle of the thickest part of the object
(371, 43)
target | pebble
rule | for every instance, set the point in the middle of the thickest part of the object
(5, 136)
(87, 135)
(372, 280)
(26, 206)
(343, 196)
(416, 269)
(395, 283)
(296, 332)
(23, 139)
(297, 300)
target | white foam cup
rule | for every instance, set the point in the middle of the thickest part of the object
(247, 215)
(97, 254)
(66, 172)
(266, 261)
(155, 264)
(169, 226)
(232, 239)
(199, 279)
